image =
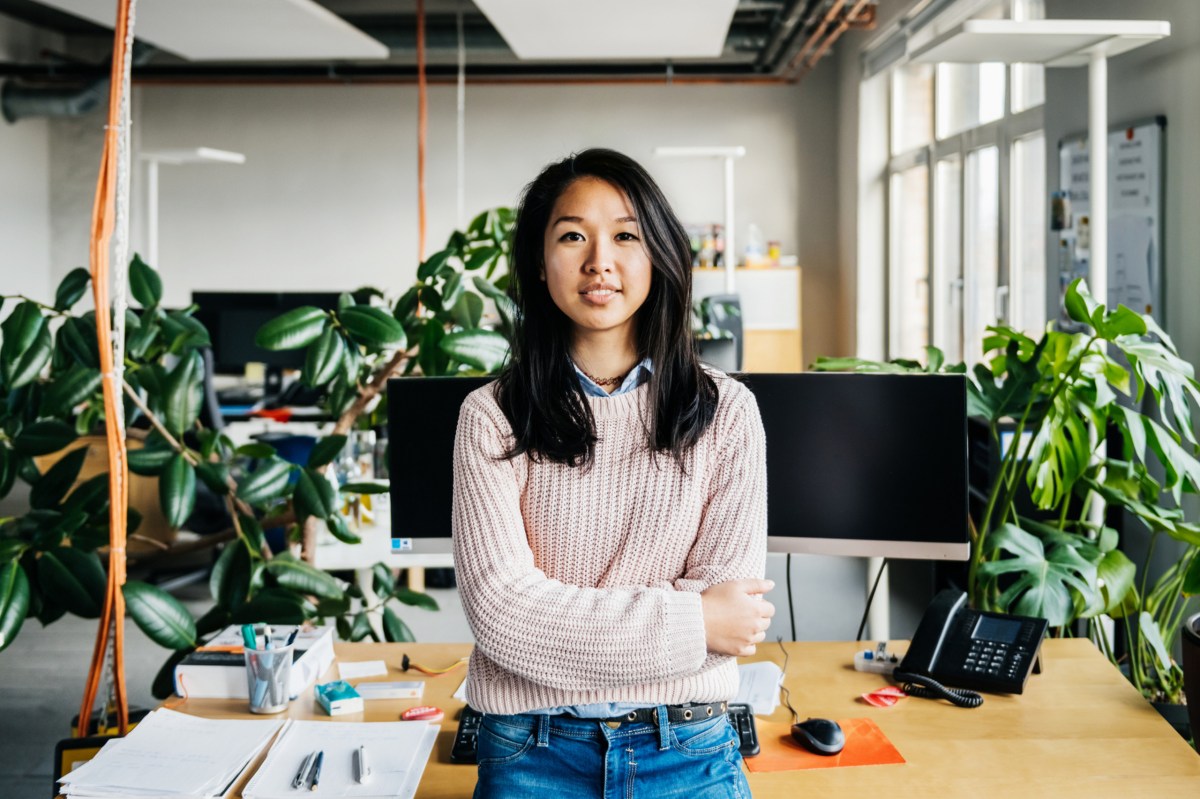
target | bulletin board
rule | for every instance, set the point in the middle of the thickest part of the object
(1136, 156)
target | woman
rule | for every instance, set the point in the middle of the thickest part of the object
(609, 510)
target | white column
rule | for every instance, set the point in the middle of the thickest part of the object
(1098, 159)
(730, 248)
(152, 213)
(879, 619)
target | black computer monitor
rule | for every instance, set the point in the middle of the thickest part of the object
(858, 465)
(233, 319)
(871, 465)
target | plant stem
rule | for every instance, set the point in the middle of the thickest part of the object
(158, 425)
(41, 305)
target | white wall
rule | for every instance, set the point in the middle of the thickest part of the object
(327, 197)
(24, 181)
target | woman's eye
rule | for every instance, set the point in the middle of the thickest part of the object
(571, 236)
(626, 237)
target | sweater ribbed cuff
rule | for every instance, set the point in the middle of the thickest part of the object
(683, 619)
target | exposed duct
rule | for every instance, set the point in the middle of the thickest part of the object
(23, 102)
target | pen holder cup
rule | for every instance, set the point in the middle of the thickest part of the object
(269, 678)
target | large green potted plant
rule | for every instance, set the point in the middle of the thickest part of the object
(49, 396)
(1059, 400)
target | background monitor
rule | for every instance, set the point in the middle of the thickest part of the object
(857, 465)
(870, 465)
(234, 317)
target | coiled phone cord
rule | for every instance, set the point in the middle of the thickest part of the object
(926, 687)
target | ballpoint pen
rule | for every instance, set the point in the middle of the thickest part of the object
(248, 636)
(316, 775)
(364, 771)
(291, 639)
(301, 774)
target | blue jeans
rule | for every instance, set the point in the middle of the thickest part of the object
(564, 757)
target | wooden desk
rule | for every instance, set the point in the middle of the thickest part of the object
(1079, 730)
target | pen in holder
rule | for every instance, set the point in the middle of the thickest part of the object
(268, 678)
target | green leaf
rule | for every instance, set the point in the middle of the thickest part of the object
(230, 578)
(185, 331)
(177, 490)
(324, 358)
(372, 327)
(467, 310)
(326, 450)
(481, 257)
(1115, 574)
(1152, 635)
(1191, 579)
(478, 224)
(253, 532)
(50, 489)
(145, 284)
(159, 615)
(504, 305)
(314, 495)
(268, 481)
(215, 476)
(304, 578)
(1044, 576)
(394, 628)
(483, 349)
(415, 598)
(433, 264)
(44, 437)
(78, 340)
(27, 345)
(8, 470)
(366, 488)
(337, 526)
(273, 606)
(184, 394)
(14, 601)
(256, 449)
(1122, 322)
(382, 581)
(75, 579)
(1074, 303)
(71, 288)
(361, 628)
(297, 328)
(150, 460)
(69, 389)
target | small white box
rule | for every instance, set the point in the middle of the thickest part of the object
(413, 689)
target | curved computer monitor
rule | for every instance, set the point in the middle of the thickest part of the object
(871, 465)
(859, 465)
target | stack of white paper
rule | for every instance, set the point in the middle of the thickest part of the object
(171, 755)
(396, 754)
(758, 686)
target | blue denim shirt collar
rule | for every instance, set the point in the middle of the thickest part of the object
(637, 375)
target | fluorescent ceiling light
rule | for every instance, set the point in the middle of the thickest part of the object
(237, 30)
(1053, 42)
(569, 30)
(193, 155)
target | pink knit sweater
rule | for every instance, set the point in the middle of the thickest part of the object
(584, 586)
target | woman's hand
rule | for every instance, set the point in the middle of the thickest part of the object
(736, 616)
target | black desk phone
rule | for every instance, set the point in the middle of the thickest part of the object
(966, 648)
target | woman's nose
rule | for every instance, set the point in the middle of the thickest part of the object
(599, 259)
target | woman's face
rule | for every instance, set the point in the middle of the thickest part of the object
(596, 267)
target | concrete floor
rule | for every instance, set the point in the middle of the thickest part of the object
(42, 677)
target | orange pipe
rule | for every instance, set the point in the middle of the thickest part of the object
(103, 215)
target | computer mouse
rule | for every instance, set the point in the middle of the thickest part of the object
(820, 736)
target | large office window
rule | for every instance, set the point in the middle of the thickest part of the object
(965, 187)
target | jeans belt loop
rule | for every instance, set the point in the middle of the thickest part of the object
(543, 730)
(664, 727)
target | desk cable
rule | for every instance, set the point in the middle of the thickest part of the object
(925, 687)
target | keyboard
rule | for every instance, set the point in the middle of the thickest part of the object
(466, 740)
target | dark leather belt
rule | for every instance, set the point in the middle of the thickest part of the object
(675, 714)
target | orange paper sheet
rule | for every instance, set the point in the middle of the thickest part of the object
(866, 745)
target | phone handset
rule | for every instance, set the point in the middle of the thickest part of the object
(920, 662)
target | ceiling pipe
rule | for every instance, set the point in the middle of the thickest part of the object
(861, 14)
(23, 102)
(785, 30)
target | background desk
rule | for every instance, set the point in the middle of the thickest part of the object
(1079, 730)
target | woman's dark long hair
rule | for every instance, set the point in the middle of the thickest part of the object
(539, 390)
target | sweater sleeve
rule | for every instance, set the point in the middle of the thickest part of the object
(732, 540)
(544, 630)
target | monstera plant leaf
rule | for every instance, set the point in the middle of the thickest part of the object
(1044, 573)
